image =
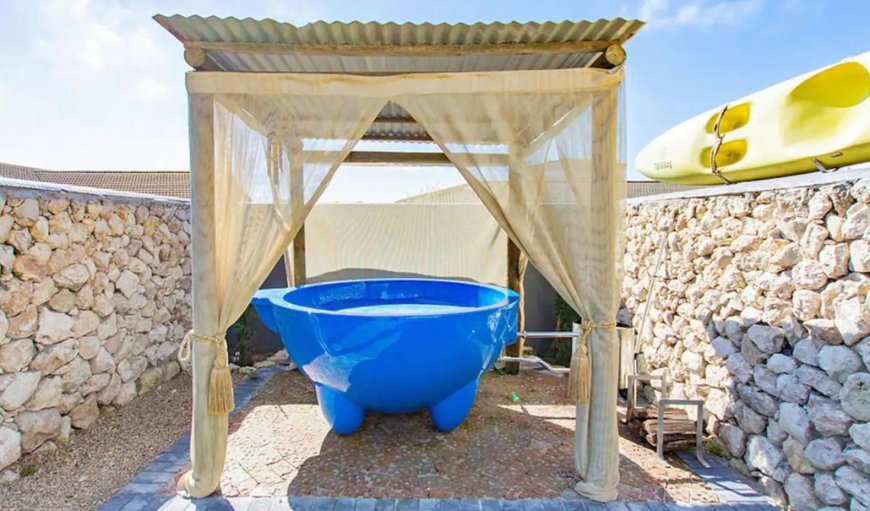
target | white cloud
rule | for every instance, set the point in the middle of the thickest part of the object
(88, 41)
(96, 81)
(150, 88)
(97, 84)
(652, 9)
(697, 13)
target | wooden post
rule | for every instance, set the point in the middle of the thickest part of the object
(514, 282)
(208, 441)
(288, 267)
(601, 456)
(297, 196)
(516, 262)
(299, 257)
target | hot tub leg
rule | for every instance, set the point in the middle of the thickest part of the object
(343, 415)
(451, 412)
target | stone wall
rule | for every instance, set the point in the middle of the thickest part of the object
(94, 299)
(762, 309)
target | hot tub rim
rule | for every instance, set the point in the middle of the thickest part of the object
(275, 296)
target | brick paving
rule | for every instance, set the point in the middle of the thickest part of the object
(164, 503)
(508, 449)
(516, 451)
(149, 486)
(727, 485)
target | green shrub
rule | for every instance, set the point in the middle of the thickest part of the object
(29, 470)
(243, 329)
(560, 349)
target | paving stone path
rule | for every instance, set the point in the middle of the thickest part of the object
(343, 504)
(142, 493)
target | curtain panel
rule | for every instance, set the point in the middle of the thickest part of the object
(547, 167)
(540, 148)
(258, 165)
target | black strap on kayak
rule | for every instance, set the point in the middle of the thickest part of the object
(716, 145)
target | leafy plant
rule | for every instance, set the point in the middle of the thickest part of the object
(243, 330)
(560, 350)
(29, 470)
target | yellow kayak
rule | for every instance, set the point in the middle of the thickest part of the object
(820, 120)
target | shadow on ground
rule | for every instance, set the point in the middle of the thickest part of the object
(280, 445)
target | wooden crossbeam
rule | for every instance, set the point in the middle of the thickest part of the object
(409, 50)
(383, 137)
(395, 120)
(413, 158)
(395, 158)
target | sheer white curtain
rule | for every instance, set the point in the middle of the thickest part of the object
(274, 157)
(259, 163)
(538, 147)
(546, 165)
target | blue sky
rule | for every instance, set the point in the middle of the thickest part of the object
(98, 85)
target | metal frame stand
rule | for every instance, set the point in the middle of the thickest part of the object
(664, 402)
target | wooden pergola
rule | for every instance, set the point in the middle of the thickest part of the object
(254, 52)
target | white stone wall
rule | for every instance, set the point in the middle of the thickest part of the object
(94, 300)
(763, 310)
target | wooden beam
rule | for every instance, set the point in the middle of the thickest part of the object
(297, 197)
(416, 50)
(288, 267)
(395, 158)
(514, 282)
(422, 159)
(199, 60)
(516, 269)
(422, 137)
(613, 56)
(550, 133)
(299, 257)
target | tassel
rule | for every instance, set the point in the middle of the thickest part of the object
(579, 377)
(220, 385)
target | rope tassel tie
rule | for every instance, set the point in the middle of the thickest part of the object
(580, 377)
(220, 384)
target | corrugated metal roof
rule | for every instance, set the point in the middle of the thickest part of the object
(270, 46)
(248, 45)
(393, 123)
(233, 30)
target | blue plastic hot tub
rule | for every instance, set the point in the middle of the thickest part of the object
(392, 346)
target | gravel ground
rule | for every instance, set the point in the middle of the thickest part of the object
(508, 448)
(102, 459)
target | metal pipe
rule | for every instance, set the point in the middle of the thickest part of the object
(536, 360)
(548, 335)
(652, 286)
